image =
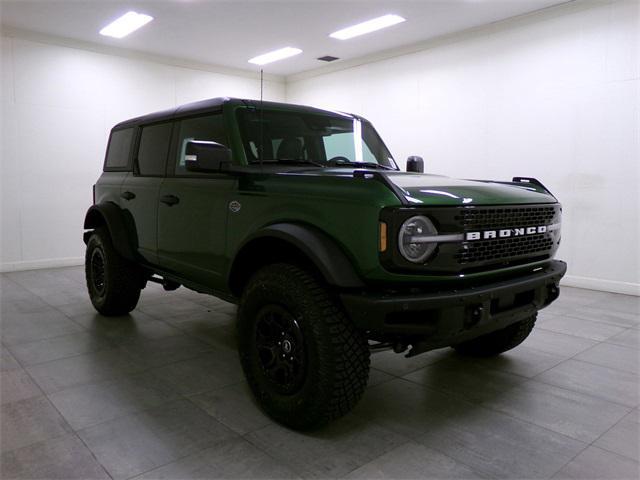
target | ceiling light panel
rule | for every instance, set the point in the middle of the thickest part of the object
(127, 23)
(367, 27)
(276, 55)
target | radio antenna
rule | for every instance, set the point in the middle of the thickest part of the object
(261, 153)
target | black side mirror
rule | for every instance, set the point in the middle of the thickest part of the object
(203, 156)
(415, 164)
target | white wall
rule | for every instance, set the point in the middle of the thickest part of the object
(553, 95)
(58, 105)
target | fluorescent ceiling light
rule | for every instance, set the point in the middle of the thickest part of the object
(126, 24)
(276, 55)
(368, 26)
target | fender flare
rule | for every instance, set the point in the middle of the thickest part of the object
(317, 246)
(113, 217)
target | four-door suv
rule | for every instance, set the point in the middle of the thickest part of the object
(302, 218)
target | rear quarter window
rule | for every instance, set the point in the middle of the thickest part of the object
(119, 150)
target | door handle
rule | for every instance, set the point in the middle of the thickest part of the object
(128, 195)
(169, 200)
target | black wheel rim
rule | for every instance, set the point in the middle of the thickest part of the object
(281, 350)
(97, 271)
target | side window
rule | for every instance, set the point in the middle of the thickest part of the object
(118, 150)
(209, 128)
(153, 149)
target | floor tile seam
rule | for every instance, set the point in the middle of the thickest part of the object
(47, 338)
(542, 327)
(101, 381)
(129, 413)
(626, 295)
(587, 394)
(488, 407)
(582, 451)
(49, 306)
(615, 453)
(609, 342)
(499, 370)
(459, 396)
(109, 347)
(70, 317)
(386, 380)
(593, 443)
(488, 474)
(44, 298)
(572, 357)
(85, 384)
(189, 398)
(388, 373)
(4, 345)
(415, 369)
(207, 414)
(626, 407)
(40, 389)
(32, 444)
(93, 455)
(182, 457)
(570, 460)
(603, 322)
(583, 361)
(278, 461)
(618, 369)
(594, 397)
(52, 405)
(17, 283)
(402, 445)
(529, 422)
(147, 369)
(606, 341)
(196, 337)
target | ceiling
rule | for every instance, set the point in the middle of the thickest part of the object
(228, 33)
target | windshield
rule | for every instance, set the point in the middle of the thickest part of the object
(322, 140)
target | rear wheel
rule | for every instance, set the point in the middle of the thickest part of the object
(113, 282)
(304, 360)
(495, 343)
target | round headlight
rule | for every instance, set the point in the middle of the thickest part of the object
(412, 239)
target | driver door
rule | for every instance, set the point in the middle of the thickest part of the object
(193, 208)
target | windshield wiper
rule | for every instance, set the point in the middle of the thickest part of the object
(293, 162)
(361, 164)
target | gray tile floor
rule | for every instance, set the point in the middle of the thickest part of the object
(160, 394)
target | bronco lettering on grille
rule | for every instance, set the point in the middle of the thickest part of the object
(505, 233)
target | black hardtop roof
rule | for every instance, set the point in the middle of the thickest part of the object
(213, 104)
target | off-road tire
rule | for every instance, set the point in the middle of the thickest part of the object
(122, 280)
(337, 354)
(495, 343)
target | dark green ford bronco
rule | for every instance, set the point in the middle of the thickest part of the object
(302, 217)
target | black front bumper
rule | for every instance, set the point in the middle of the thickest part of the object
(444, 318)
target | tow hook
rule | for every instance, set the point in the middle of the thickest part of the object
(474, 317)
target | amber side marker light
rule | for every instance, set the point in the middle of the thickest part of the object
(383, 237)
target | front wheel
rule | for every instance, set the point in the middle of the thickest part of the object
(497, 342)
(304, 360)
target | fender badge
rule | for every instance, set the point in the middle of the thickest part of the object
(235, 206)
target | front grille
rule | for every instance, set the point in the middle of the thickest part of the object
(512, 217)
(504, 248)
(473, 256)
